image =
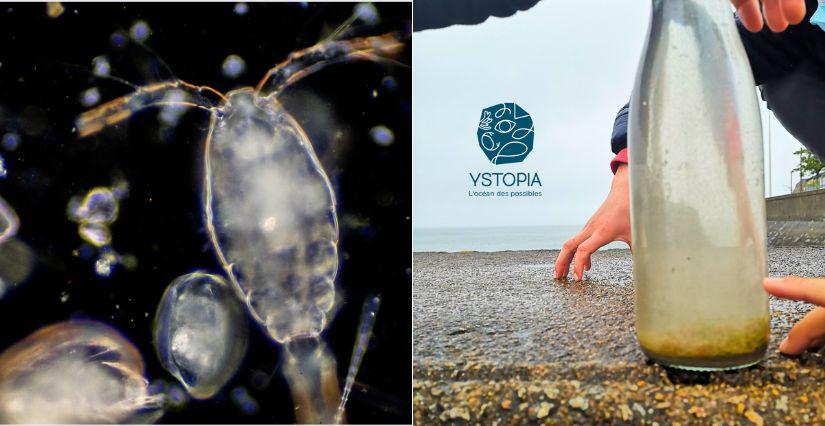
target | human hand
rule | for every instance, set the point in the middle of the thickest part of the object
(611, 222)
(810, 331)
(778, 13)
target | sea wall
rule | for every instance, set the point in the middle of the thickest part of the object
(797, 219)
(802, 207)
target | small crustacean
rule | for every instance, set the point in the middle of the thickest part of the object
(75, 372)
(269, 207)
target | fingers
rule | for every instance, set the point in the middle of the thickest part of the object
(568, 249)
(772, 9)
(811, 290)
(778, 13)
(749, 14)
(794, 10)
(585, 250)
(807, 333)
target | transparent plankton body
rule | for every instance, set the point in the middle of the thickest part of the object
(75, 372)
(200, 332)
(269, 208)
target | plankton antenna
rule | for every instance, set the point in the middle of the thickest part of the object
(83, 70)
(119, 109)
(362, 339)
(154, 54)
(312, 59)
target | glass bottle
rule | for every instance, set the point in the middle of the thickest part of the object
(697, 192)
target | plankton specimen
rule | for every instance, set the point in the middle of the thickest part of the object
(75, 372)
(270, 209)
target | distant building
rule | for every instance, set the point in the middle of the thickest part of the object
(811, 183)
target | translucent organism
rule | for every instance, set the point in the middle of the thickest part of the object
(94, 213)
(8, 221)
(244, 401)
(95, 234)
(104, 264)
(382, 135)
(117, 39)
(241, 8)
(75, 372)
(101, 66)
(140, 31)
(11, 141)
(200, 332)
(90, 97)
(16, 264)
(360, 347)
(269, 208)
(389, 83)
(233, 66)
(367, 13)
(99, 206)
(3, 171)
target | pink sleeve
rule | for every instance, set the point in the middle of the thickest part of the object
(621, 157)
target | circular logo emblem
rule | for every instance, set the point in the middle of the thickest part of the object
(505, 133)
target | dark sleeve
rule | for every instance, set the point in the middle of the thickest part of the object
(432, 14)
(771, 55)
(618, 141)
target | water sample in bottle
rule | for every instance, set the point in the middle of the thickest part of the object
(697, 192)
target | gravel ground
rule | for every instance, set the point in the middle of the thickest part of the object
(497, 340)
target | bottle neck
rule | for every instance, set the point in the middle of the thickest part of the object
(701, 15)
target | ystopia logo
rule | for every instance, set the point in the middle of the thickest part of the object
(505, 133)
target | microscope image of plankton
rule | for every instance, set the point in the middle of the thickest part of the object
(270, 210)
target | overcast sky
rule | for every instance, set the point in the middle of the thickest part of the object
(571, 68)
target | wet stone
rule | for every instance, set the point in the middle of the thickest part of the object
(201, 332)
(522, 329)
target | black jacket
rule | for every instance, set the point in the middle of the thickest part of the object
(774, 58)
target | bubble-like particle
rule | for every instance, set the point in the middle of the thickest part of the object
(170, 114)
(11, 141)
(101, 66)
(95, 234)
(8, 221)
(382, 135)
(233, 66)
(140, 31)
(117, 39)
(244, 401)
(367, 13)
(177, 397)
(75, 372)
(106, 263)
(200, 332)
(54, 9)
(16, 264)
(241, 8)
(99, 206)
(389, 83)
(90, 97)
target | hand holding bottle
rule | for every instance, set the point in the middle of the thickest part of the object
(778, 13)
(810, 331)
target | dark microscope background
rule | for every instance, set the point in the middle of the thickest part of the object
(45, 65)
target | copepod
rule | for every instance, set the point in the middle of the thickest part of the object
(270, 209)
